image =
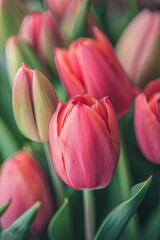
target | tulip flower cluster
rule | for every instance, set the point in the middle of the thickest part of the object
(80, 119)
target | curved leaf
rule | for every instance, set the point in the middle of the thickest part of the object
(115, 222)
(20, 227)
(61, 224)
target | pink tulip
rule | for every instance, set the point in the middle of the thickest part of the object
(23, 180)
(147, 121)
(66, 11)
(40, 30)
(84, 142)
(91, 66)
(63, 8)
(138, 48)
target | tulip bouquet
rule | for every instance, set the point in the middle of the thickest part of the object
(79, 120)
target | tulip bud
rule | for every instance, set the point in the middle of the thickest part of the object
(34, 102)
(140, 55)
(90, 66)
(84, 142)
(63, 8)
(153, 5)
(41, 31)
(18, 52)
(11, 15)
(23, 180)
(65, 12)
(147, 121)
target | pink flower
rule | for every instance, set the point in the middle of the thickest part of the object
(23, 180)
(147, 121)
(40, 30)
(62, 9)
(91, 66)
(84, 141)
(138, 48)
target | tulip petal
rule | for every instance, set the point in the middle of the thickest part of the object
(88, 150)
(147, 129)
(112, 122)
(146, 26)
(45, 101)
(72, 84)
(57, 155)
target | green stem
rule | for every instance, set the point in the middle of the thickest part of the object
(89, 214)
(57, 185)
(124, 181)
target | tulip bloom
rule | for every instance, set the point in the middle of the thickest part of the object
(84, 142)
(65, 12)
(90, 66)
(34, 102)
(23, 180)
(17, 51)
(63, 8)
(138, 48)
(40, 30)
(147, 121)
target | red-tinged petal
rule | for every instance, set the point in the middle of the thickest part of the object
(73, 61)
(147, 129)
(89, 156)
(112, 122)
(56, 152)
(22, 106)
(72, 84)
(86, 99)
(152, 88)
(154, 105)
(44, 100)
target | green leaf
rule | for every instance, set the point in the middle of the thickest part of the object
(8, 144)
(61, 223)
(4, 207)
(20, 227)
(115, 222)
